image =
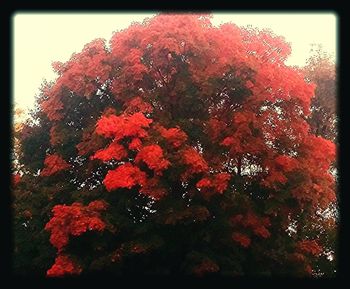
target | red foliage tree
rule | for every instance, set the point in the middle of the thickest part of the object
(180, 148)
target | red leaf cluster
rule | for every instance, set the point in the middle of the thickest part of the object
(257, 225)
(194, 161)
(286, 163)
(310, 247)
(278, 169)
(135, 144)
(136, 104)
(86, 70)
(16, 178)
(113, 151)
(215, 128)
(98, 205)
(215, 184)
(56, 137)
(174, 136)
(74, 220)
(316, 157)
(244, 134)
(124, 176)
(123, 126)
(241, 239)
(134, 68)
(152, 155)
(63, 266)
(53, 107)
(321, 150)
(53, 164)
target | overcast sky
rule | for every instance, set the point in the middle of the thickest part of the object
(40, 39)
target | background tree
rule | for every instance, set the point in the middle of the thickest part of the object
(323, 120)
(179, 148)
(321, 70)
(31, 251)
(18, 123)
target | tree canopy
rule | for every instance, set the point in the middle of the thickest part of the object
(177, 147)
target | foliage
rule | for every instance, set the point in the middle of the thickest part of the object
(321, 70)
(179, 148)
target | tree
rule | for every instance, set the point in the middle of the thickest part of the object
(17, 127)
(323, 121)
(179, 148)
(321, 70)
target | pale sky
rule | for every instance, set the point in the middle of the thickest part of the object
(40, 39)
